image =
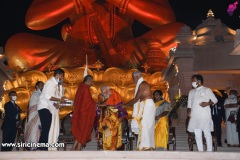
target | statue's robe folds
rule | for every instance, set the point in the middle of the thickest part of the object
(83, 115)
(105, 35)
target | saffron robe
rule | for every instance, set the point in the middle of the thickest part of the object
(114, 98)
(112, 121)
(83, 114)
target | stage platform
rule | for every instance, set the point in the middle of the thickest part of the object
(119, 155)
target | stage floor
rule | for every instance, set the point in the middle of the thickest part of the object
(120, 155)
(91, 152)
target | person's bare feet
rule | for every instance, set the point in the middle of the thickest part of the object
(79, 147)
(74, 146)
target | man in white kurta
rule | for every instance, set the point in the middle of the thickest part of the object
(32, 123)
(199, 100)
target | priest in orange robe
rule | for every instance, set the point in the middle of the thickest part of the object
(112, 124)
(83, 114)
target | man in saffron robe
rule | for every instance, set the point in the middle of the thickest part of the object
(83, 114)
(115, 118)
(161, 125)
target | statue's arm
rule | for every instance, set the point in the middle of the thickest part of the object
(43, 14)
(151, 13)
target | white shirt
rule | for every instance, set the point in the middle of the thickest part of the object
(48, 91)
(198, 95)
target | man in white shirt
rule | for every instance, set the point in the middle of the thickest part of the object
(199, 100)
(48, 103)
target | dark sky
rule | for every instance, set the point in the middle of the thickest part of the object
(190, 12)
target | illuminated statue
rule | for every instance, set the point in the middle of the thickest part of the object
(99, 28)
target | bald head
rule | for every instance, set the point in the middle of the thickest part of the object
(88, 80)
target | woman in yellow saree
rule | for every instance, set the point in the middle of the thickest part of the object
(161, 123)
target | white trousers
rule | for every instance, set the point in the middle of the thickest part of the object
(199, 140)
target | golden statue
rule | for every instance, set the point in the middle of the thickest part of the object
(99, 28)
(24, 85)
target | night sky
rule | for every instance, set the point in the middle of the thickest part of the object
(190, 12)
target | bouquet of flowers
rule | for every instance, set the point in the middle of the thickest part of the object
(181, 102)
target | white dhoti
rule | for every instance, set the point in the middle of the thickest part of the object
(146, 134)
(231, 128)
(54, 129)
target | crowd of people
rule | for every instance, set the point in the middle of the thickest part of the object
(108, 116)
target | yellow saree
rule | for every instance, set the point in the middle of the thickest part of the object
(161, 129)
